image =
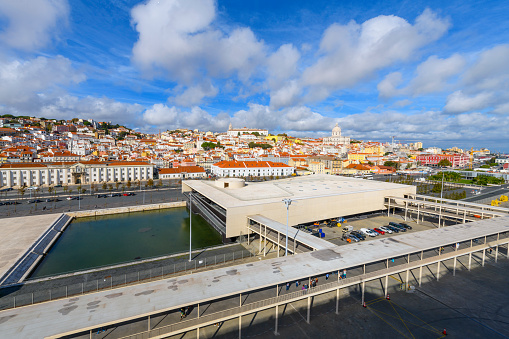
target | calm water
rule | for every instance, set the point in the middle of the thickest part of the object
(108, 240)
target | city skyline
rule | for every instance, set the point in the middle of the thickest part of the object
(422, 72)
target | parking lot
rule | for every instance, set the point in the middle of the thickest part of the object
(65, 201)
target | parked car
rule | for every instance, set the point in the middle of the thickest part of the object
(352, 237)
(375, 233)
(368, 232)
(398, 226)
(379, 231)
(72, 198)
(406, 226)
(386, 229)
(358, 234)
(392, 228)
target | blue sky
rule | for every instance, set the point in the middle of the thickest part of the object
(434, 71)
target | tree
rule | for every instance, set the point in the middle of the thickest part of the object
(117, 184)
(104, 185)
(150, 182)
(444, 163)
(160, 183)
(110, 187)
(393, 164)
(50, 189)
(66, 188)
(21, 191)
(129, 183)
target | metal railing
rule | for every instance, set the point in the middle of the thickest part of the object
(234, 312)
(120, 280)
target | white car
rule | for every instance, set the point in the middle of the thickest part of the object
(385, 229)
(367, 232)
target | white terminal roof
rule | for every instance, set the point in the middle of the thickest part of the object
(96, 309)
(296, 188)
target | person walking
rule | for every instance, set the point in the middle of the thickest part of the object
(182, 313)
(327, 276)
(287, 286)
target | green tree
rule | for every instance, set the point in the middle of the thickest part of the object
(104, 185)
(150, 183)
(393, 164)
(129, 183)
(160, 183)
(117, 184)
(444, 163)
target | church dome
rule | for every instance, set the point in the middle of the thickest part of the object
(336, 130)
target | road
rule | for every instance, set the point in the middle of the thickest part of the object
(87, 201)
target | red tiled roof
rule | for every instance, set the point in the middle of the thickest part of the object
(248, 164)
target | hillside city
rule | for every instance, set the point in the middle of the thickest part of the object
(47, 152)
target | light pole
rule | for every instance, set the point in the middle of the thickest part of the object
(442, 190)
(79, 198)
(190, 221)
(287, 202)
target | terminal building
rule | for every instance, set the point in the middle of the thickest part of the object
(229, 203)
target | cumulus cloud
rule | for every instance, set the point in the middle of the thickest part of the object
(178, 37)
(459, 102)
(485, 84)
(23, 82)
(193, 95)
(282, 65)
(388, 87)
(353, 52)
(31, 24)
(101, 109)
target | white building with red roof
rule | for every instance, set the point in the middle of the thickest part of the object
(251, 168)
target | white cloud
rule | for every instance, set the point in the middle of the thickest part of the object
(193, 95)
(491, 70)
(101, 109)
(178, 37)
(22, 82)
(282, 65)
(285, 96)
(432, 75)
(351, 53)
(458, 102)
(31, 24)
(387, 88)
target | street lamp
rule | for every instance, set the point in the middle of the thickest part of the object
(287, 202)
(190, 221)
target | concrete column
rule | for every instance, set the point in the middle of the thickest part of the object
(389, 208)
(337, 301)
(438, 270)
(420, 276)
(48, 177)
(406, 281)
(309, 310)
(9, 178)
(38, 181)
(454, 267)
(278, 236)
(406, 208)
(240, 327)
(276, 326)
(363, 288)
(386, 285)
(260, 246)
(418, 206)
(464, 216)
(265, 245)
(469, 260)
(496, 248)
(483, 256)
(148, 324)
(19, 175)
